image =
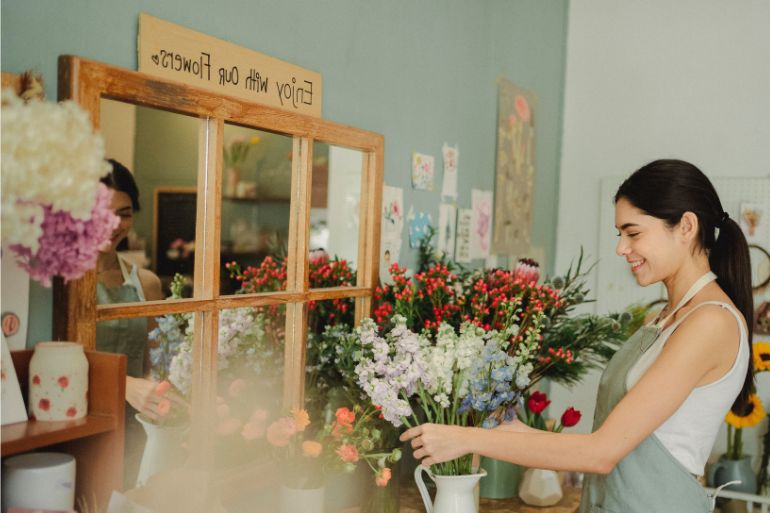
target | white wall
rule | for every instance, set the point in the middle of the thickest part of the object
(688, 79)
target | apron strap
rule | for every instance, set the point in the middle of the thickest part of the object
(132, 277)
(694, 289)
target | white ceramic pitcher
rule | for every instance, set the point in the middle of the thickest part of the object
(454, 494)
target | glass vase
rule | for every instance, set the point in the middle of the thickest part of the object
(384, 499)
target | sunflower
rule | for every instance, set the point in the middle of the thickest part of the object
(761, 352)
(753, 415)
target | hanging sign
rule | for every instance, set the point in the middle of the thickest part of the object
(173, 52)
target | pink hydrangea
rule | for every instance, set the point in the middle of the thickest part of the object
(69, 247)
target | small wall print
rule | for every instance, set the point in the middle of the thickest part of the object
(423, 169)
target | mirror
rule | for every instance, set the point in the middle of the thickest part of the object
(195, 215)
(153, 180)
(256, 190)
(334, 215)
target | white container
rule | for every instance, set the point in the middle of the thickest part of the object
(58, 381)
(295, 500)
(540, 487)
(39, 480)
(454, 494)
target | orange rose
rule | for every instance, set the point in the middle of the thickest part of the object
(311, 448)
(382, 477)
(345, 416)
(301, 419)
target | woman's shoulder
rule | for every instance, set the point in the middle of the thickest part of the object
(150, 284)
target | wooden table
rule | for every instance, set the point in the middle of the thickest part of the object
(411, 502)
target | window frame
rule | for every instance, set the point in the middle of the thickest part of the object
(75, 310)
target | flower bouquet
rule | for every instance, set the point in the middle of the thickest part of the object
(308, 461)
(470, 378)
(55, 213)
(235, 153)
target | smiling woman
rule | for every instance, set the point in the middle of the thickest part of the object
(665, 393)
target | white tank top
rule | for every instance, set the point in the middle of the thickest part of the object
(689, 434)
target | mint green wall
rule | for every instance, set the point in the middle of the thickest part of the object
(418, 72)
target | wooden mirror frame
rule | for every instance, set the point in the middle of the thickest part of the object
(75, 310)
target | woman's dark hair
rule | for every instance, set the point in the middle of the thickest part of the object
(121, 179)
(666, 189)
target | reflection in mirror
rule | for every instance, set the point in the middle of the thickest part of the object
(335, 200)
(255, 209)
(155, 152)
(330, 380)
(250, 356)
(157, 350)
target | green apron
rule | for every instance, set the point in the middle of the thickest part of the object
(124, 336)
(648, 479)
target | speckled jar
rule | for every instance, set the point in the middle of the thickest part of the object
(58, 381)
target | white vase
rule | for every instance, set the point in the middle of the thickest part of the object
(162, 451)
(58, 381)
(454, 494)
(540, 487)
(300, 500)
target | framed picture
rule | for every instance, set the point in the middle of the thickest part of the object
(13, 409)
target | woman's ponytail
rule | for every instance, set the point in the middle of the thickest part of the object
(729, 260)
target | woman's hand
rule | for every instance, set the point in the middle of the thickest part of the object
(436, 443)
(144, 396)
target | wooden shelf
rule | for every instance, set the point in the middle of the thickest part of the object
(26, 436)
(256, 199)
(96, 441)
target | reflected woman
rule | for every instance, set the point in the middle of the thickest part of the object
(120, 281)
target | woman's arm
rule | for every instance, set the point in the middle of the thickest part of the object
(706, 340)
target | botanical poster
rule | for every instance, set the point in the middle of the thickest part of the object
(481, 232)
(515, 169)
(422, 171)
(392, 228)
(463, 242)
(418, 226)
(449, 185)
(447, 226)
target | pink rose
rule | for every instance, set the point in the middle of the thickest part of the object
(280, 432)
(348, 453)
(236, 387)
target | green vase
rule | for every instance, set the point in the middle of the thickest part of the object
(385, 499)
(726, 470)
(502, 479)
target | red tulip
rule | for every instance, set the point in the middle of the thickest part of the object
(537, 402)
(570, 417)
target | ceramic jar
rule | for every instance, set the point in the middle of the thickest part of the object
(540, 487)
(58, 381)
(295, 500)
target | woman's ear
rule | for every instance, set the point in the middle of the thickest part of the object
(688, 226)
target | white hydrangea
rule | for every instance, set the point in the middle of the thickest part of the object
(50, 156)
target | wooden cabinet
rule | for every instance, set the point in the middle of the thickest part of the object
(95, 441)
